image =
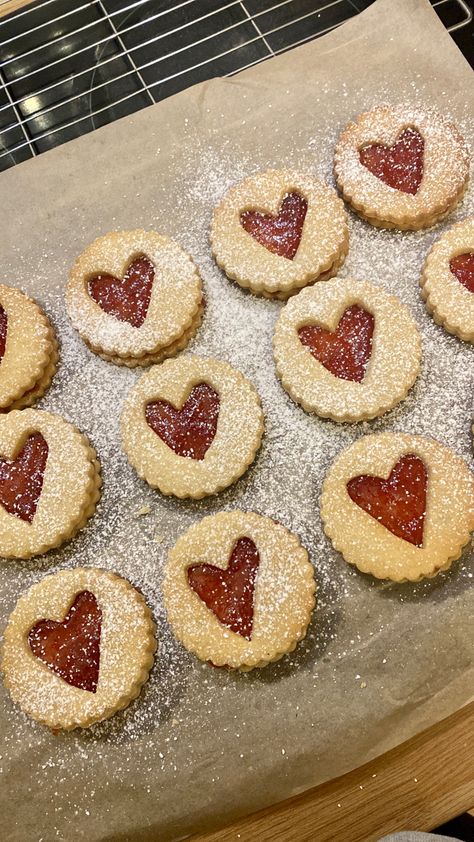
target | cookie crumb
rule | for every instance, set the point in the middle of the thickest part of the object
(145, 510)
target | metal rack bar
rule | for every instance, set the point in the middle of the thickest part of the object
(196, 66)
(172, 54)
(118, 34)
(46, 22)
(27, 141)
(256, 27)
(137, 4)
(123, 47)
(467, 12)
(136, 69)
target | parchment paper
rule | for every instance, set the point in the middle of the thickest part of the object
(380, 663)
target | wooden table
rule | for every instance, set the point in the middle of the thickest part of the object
(417, 786)
(7, 6)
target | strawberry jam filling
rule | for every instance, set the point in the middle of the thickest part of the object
(346, 351)
(71, 649)
(21, 479)
(462, 267)
(279, 234)
(3, 331)
(128, 298)
(229, 593)
(401, 165)
(189, 431)
(399, 502)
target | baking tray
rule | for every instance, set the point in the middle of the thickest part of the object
(379, 662)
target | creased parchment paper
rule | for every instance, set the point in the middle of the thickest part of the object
(380, 663)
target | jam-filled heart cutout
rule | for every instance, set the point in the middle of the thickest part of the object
(127, 299)
(279, 234)
(399, 502)
(189, 431)
(401, 165)
(71, 649)
(3, 331)
(346, 351)
(21, 479)
(229, 593)
(462, 266)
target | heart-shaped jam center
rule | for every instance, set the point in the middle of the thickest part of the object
(229, 593)
(127, 299)
(21, 479)
(71, 649)
(279, 234)
(345, 351)
(399, 502)
(3, 331)
(401, 165)
(189, 431)
(462, 267)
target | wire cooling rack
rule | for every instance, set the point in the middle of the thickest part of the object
(66, 70)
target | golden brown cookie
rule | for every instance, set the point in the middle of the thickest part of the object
(49, 482)
(135, 297)
(78, 647)
(239, 590)
(346, 350)
(28, 350)
(192, 426)
(397, 506)
(402, 166)
(447, 280)
(278, 231)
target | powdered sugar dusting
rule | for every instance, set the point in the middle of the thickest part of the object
(197, 739)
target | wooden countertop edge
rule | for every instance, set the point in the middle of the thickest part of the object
(416, 786)
(12, 6)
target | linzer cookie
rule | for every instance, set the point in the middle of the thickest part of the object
(28, 350)
(346, 350)
(279, 231)
(49, 482)
(402, 166)
(192, 426)
(397, 506)
(447, 281)
(78, 647)
(135, 297)
(239, 590)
